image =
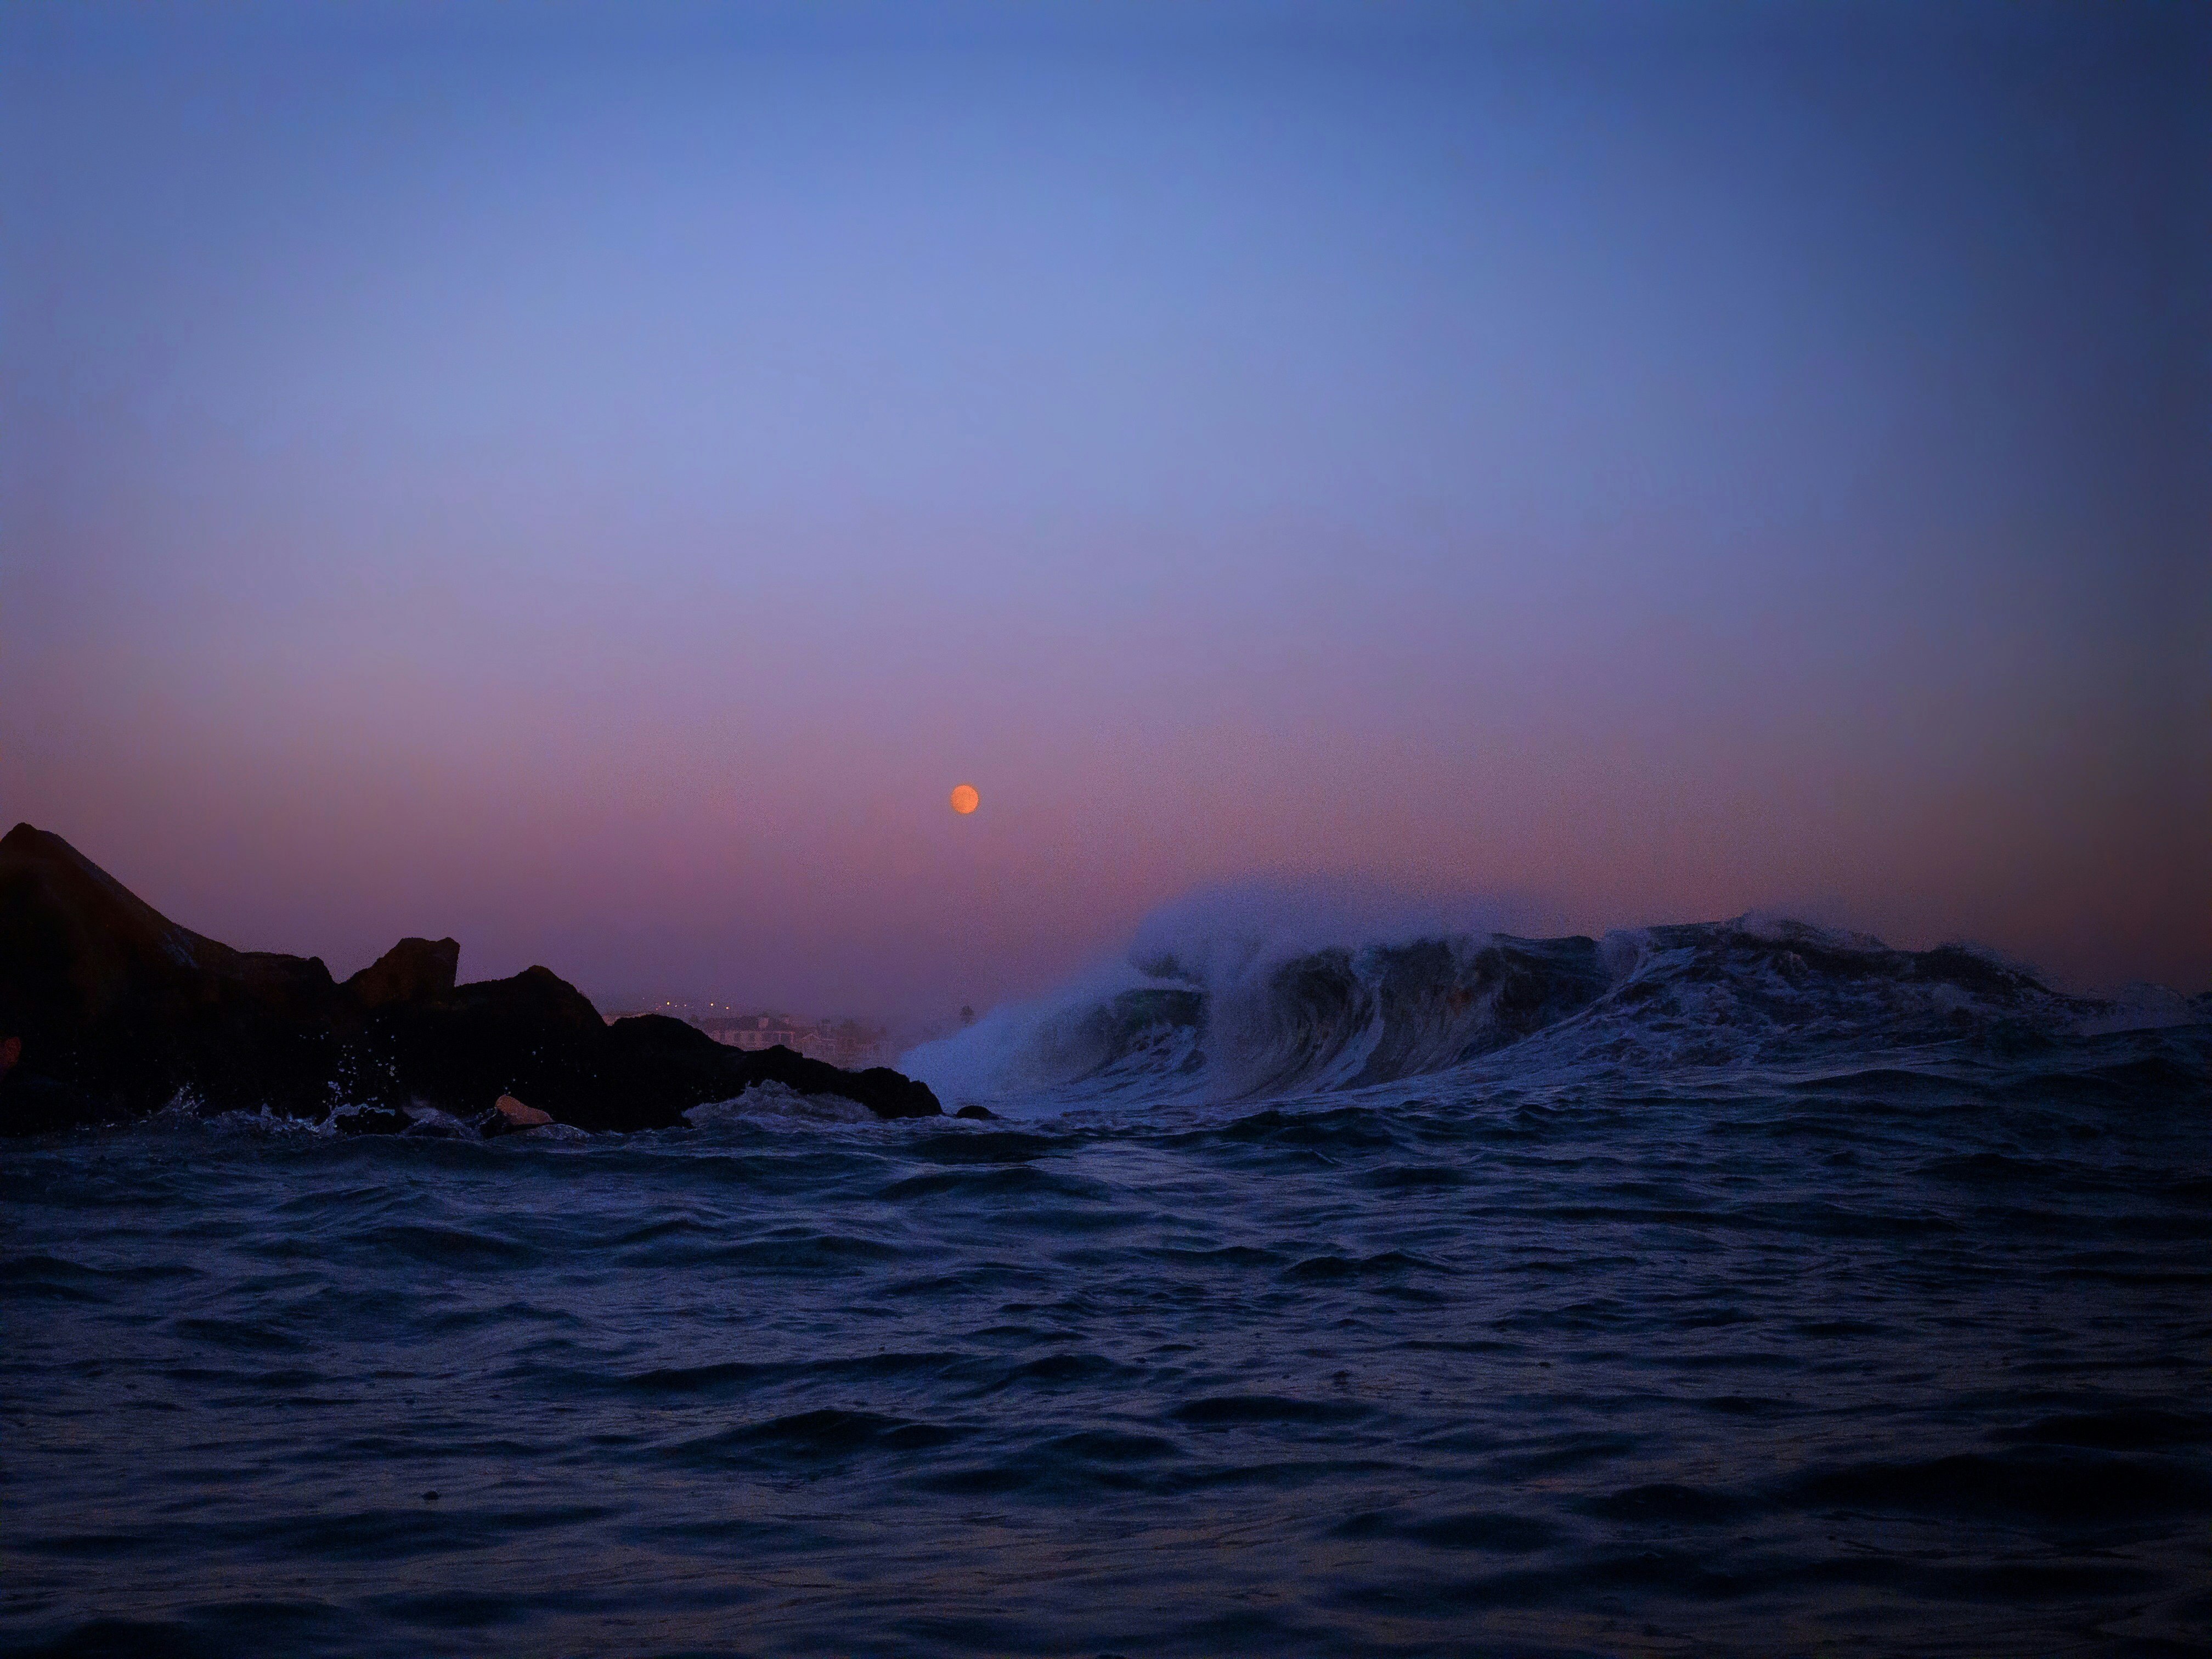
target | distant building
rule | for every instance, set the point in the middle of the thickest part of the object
(849, 1043)
(756, 1031)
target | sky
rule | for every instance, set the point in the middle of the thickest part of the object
(589, 480)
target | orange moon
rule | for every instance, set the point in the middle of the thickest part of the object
(965, 799)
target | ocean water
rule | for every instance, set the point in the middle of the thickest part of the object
(1678, 1324)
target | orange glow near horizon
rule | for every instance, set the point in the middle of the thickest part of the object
(965, 799)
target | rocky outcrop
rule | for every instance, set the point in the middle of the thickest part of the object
(413, 970)
(119, 1012)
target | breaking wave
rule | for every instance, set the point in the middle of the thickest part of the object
(1202, 1011)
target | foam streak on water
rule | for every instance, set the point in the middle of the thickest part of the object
(1899, 1351)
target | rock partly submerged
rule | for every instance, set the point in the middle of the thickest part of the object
(120, 1011)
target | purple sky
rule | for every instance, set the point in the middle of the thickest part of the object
(592, 486)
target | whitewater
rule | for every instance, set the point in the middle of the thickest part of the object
(1744, 1289)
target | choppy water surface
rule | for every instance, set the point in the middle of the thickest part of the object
(1902, 1353)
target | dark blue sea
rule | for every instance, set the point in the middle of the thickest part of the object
(1709, 1328)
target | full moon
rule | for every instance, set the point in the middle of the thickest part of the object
(965, 799)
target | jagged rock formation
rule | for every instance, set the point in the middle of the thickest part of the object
(121, 1011)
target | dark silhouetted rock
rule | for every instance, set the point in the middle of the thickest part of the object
(413, 970)
(121, 1011)
(982, 1113)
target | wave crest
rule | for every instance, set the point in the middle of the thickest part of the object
(1241, 1014)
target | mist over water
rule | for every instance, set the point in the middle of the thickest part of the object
(1224, 939)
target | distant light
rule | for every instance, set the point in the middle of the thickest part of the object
(965, 799)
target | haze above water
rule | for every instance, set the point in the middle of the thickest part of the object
(592, 486)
